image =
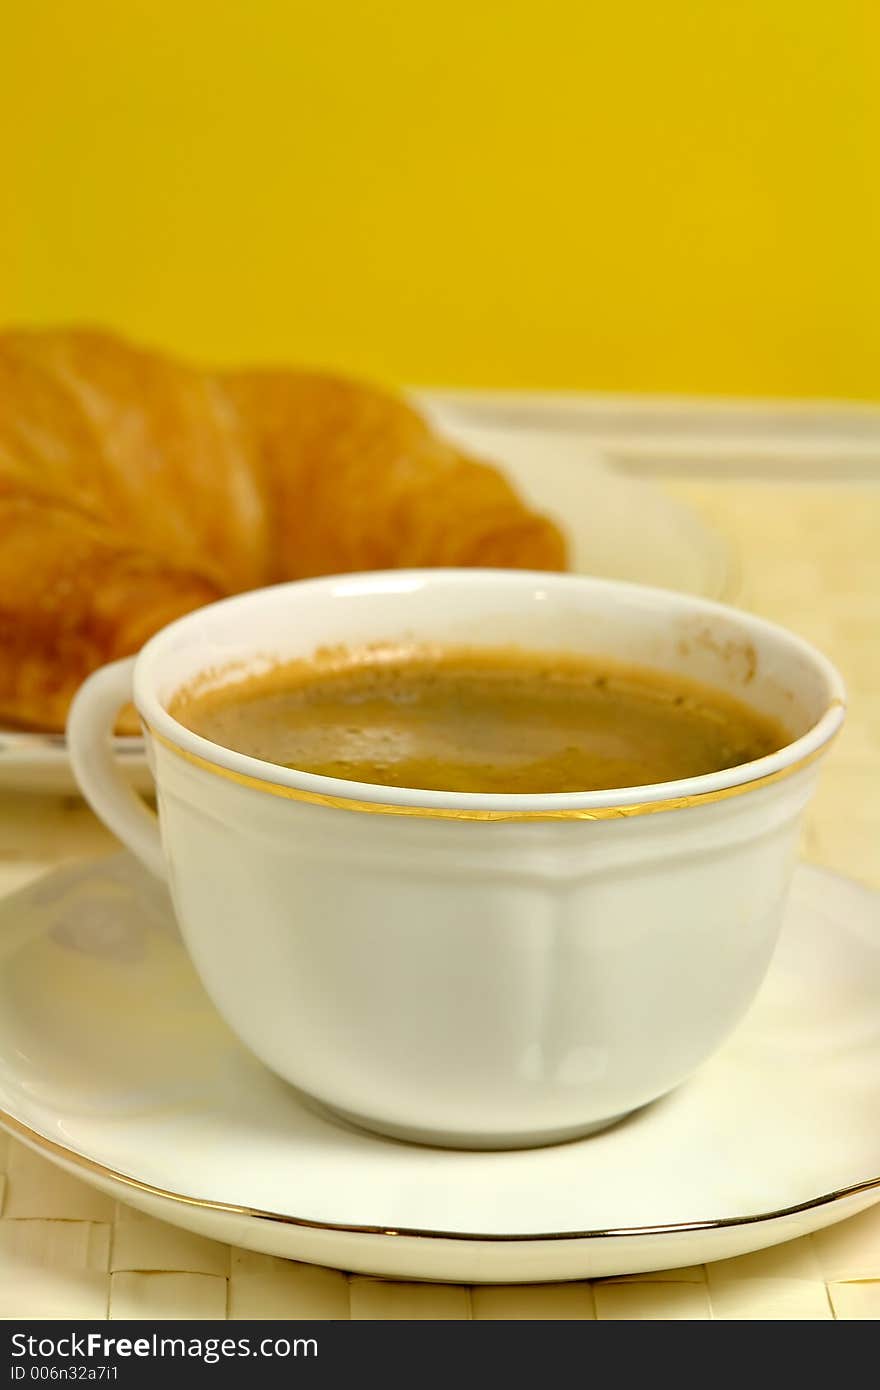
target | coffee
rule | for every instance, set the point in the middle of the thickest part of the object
(464, 719)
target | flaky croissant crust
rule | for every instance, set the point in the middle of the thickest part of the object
(134, 488)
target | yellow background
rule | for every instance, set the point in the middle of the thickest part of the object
(648, 194)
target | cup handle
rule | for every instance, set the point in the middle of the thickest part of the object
(90, 724)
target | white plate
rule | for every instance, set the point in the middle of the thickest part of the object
(40, 763)
(618, 527)
(114, 1064)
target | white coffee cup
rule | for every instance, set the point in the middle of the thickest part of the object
(454, 968)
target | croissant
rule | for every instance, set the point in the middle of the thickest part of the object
(134, 488)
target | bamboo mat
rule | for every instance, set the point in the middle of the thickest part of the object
(810, 556)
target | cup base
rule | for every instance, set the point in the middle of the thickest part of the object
(442, 1139)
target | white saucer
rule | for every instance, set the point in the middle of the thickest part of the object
(618, 527)
(114, 1064)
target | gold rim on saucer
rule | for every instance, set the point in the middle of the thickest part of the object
(89, 1165)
